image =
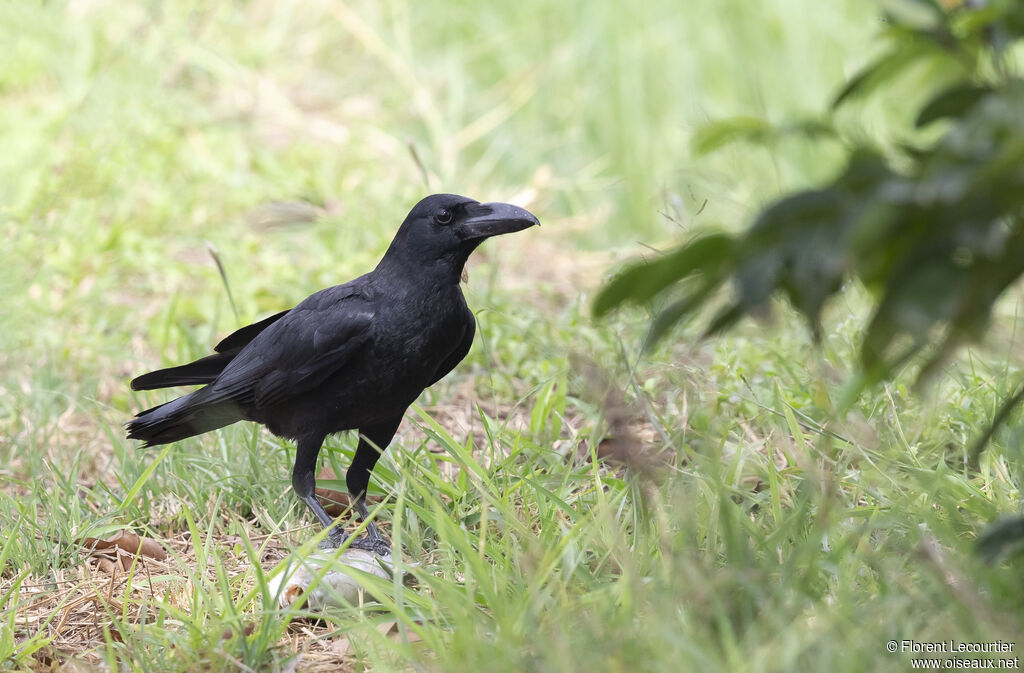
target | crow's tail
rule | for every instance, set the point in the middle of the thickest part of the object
(184, 417)
(197, 373)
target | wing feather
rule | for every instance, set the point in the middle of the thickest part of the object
(296, 352)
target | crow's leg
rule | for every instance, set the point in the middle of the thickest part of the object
(373, 440)
(304, 485)
(373, 540)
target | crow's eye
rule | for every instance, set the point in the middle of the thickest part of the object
(443, 216)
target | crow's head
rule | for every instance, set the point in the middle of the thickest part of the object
(446, 228)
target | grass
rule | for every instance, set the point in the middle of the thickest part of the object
(754, 530)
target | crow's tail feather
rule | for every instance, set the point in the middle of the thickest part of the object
(181, 418)
(200, 372)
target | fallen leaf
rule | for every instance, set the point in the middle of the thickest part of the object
(123, 546)
(229, 633)
(340, 646)
(386, 628)
(45, 656)
(115, 635)
(391, 630)
(105, 565)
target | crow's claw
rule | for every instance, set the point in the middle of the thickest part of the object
(335, 539)
(378, 546)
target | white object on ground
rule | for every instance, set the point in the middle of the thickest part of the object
(337, 588)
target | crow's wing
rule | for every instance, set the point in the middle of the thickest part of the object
(240, 338)
(298, 351)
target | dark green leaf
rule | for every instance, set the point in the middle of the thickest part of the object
(935, 231)
(1002, 539)
(642, 281)
(1008, 406)
(791, 246)
(725, 319)
(917, 15)
(953, 102)
(720, 133)
(923, 292)
(676, 311)
(881, 71)
(715, 135)
(812, 129)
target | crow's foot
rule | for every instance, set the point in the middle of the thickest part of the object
(368, 543)
(335, 538)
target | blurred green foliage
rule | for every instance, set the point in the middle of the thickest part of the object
(933, 228)
(139, 135)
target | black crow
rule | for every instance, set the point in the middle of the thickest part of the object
(351, 357)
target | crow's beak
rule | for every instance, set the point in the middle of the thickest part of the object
(493, 219)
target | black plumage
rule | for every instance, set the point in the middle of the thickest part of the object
(350, 357)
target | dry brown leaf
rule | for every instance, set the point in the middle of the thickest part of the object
(115, 635)
(229, 633)
(105, 565)
(386, 628)
(123, 546)
(391, 630)
(45, 656)
(340, 646)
